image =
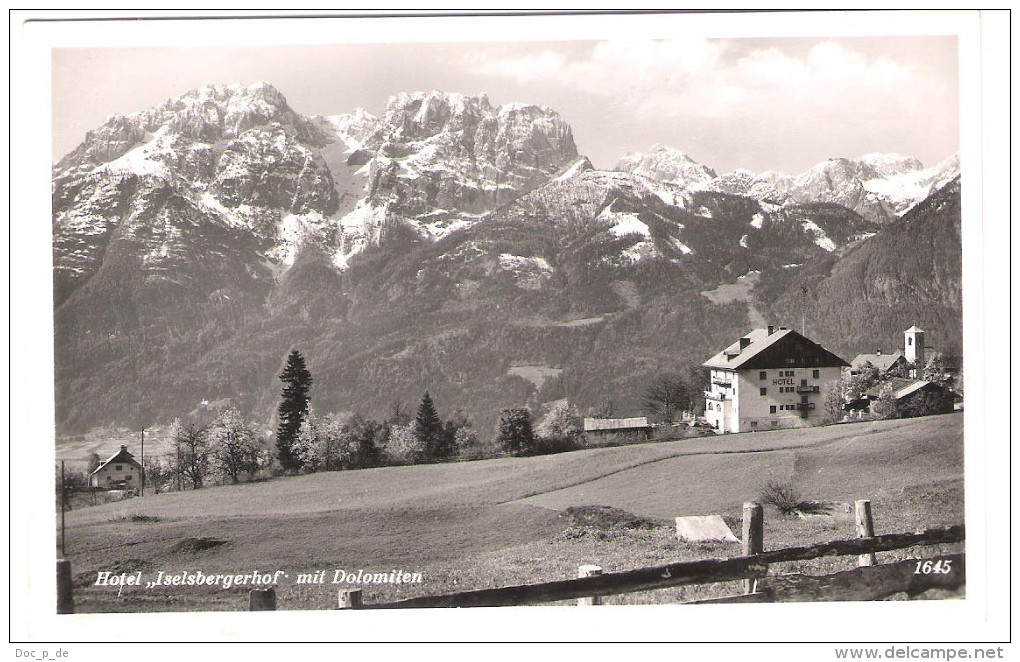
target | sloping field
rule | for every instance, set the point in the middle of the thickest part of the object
(510, 479)
(856, 466)
(498, 522)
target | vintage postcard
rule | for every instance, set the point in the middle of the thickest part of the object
(373, 313)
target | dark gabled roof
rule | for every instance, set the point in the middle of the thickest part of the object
(120, 456)
(765, 350)
(881, 361)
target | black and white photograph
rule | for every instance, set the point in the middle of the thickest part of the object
(390, 314)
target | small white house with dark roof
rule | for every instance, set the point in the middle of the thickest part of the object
(770, 378)
(121, 470)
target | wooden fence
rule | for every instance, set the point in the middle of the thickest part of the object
(866, 582)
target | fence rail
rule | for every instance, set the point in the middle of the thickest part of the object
(675, 574)
(868, 582)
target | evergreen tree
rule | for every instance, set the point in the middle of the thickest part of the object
(515, 435)
(428, 429)
(292, 410)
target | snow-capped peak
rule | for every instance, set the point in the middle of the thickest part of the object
(666, 164)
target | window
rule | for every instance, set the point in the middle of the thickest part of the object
(803, 382)
(763, 390)
(814, 374)
(127, 477)
(910, 341)
(772, 409)
(118, 467)
(762, 375)
(754, 424)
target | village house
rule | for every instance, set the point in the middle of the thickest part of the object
(770, 378)
(912, 397)
(122, 470)
(888, 364)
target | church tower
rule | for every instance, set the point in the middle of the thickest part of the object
(913, 348)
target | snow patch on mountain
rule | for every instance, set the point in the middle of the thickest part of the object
(903, 190)
(743, 241)
(639, 251)
(293, 231)
(236, 217)
(624, 223)
(530, 272)
(578, 167)
(138, 160)
(681, 246)
(821, 239)
(757, 220)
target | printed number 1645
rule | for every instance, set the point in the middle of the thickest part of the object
(929, 567)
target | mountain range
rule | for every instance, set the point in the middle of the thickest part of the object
(452, 245)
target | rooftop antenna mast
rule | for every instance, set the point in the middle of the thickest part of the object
(803, 309)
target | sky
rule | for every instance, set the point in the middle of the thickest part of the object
(780, 104)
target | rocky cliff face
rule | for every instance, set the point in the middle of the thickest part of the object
(239, 158)
(878, 187)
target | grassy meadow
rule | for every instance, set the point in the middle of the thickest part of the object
(506, 521)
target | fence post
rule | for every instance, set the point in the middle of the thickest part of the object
(349, 598)
(865, 528)
(262, 599)
(65, 590)
(589, 571)
(753, 538)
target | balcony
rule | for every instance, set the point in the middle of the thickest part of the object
(712, 395)
(721, 381)
(804, 408)
(807, 389)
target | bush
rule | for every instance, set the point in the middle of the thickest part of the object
(781, 495)
(551, 445)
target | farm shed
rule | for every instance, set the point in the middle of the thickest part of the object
(120, 470)
(921, 398)
(603, 430)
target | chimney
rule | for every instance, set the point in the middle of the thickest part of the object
(123, 447)
(878, 351)
(744, 342)
(772, 329)
(782, 328)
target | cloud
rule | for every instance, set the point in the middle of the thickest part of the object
(702, 79)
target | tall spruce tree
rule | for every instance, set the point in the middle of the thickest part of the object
(292, 410)
(428, 429)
